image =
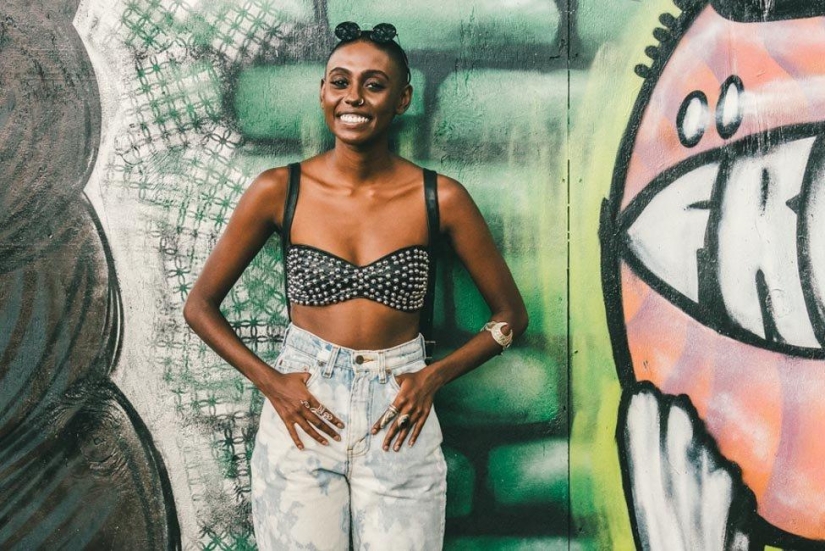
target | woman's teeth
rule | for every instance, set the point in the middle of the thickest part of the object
(353, 118)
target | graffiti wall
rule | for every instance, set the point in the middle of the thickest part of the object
(166, 111)
(650, 171)
(709, 266)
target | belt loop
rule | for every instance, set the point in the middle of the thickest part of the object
(382, 371)
(333, 356)
(325, 354)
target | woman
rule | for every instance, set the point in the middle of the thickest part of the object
(351, 386)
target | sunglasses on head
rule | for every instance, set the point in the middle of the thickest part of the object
(381, 33)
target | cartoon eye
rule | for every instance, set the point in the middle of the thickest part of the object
(729, 108)
(692, 117)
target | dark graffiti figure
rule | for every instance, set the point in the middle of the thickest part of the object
(77, 466)
(714, 278)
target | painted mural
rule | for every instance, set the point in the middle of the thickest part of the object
(650, 170)
(711, 270)
(130, 129)
(76, 458)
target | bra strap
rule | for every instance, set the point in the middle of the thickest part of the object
(286, 223)
(434, 230)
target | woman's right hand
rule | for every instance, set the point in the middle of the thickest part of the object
(294, 404)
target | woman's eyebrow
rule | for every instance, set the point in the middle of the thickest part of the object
(368, 72)
(372, 72)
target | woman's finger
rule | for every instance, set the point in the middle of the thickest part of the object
(418, 426)
(290, 427)
(319, 423)
(311, 431)
(386, 418)
(401, 422)
(402, 434)
(321, 411)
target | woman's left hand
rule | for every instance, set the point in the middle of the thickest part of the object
(411, 406)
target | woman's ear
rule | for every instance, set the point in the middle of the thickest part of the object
(321, 92)
(404, 100)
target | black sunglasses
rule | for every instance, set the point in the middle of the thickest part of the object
(381, 33)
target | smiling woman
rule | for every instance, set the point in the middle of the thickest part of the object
(358, 227)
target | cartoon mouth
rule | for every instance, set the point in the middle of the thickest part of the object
(735, 237)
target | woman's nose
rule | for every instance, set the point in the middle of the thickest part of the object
(354, 98)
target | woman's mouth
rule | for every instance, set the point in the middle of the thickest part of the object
(351, 118)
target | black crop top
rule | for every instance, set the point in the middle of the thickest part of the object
(314, 277)
(318, 278)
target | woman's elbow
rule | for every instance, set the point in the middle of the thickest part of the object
(520, 322)
(191, 311)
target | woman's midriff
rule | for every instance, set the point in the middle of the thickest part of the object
(358, 323)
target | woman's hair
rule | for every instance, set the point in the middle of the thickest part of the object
(389, 47)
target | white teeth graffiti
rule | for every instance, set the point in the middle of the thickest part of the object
(669, 231)
(719, 235)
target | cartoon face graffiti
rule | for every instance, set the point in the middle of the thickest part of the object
(714, 242)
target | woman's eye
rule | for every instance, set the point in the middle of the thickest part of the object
(339, 82)
(375, 85)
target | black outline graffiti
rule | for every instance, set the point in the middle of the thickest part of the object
(743, 504)
(751, 11)
(690, 141)
(728, 130)
(710, 309)
(613, 225)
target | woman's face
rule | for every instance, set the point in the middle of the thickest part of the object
(362, 91)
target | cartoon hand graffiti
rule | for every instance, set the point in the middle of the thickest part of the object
(714, 276)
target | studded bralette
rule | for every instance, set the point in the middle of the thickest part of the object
(318, 278)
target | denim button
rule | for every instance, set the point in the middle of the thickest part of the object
(359, 359)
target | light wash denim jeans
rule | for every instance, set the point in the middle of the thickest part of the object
(325, 497)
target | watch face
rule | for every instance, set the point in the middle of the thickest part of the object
(714, 243)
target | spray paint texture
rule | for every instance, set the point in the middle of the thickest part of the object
(711, 270)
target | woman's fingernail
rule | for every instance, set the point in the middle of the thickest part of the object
(386, 448)
(337, 438)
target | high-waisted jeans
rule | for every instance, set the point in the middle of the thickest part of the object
(320, 498)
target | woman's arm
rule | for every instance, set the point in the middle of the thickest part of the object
(251, 224)
(463, 225)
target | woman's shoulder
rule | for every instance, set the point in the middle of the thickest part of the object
(455, 203)
(268, 190)
(272, 180)
(450, 190)
(451, 193)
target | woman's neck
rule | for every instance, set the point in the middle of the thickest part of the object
(360, 164)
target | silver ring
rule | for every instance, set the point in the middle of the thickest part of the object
(388, 416)
(403, 420)
(306, 405)
(321, 412)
